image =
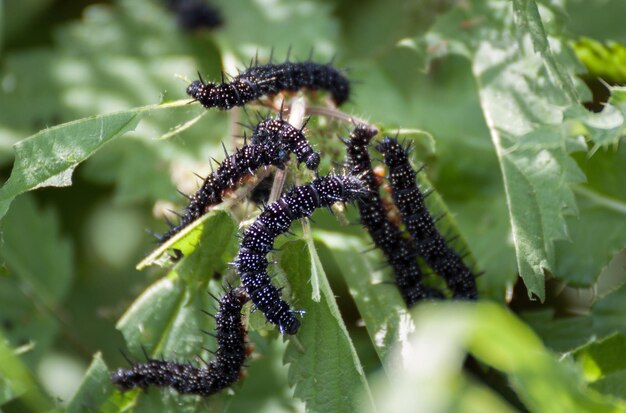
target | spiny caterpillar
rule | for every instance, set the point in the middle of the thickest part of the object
(268, 80)
(431, 245)
(258, 240)
(400, 252)
(218, 374)
(271, 143)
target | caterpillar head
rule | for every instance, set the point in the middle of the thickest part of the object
(199, 90)
(313, 161)
(289, 326)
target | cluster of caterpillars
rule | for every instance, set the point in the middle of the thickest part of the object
(270, 144)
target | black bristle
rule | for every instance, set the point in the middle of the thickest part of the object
(185, 378)
(270, 79)
(258, 241)
(400, 252)
(271, 143)
(431, 245)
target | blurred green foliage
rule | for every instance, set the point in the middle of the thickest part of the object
(531, 180)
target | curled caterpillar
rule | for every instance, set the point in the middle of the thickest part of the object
(278, 138)
(268, 80)
(195, 14)
(276, 219)
(221, 372)
(431, 245)
(400, 252)
(271, 143)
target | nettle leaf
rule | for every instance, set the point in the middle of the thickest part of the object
(374, 292)
(606, 127)
(432, 378)
(378, 300)
(94, 389)
(166, 321)
(599, 232)
(188, 241)
(266, 388)
(49, 157)
(324, 367)
(529, 20)
(141, 28)
(525, 88)
(34, 289)
(464, 169)
(215, 248)
(606, 317)
(134, 59)
(17, 381)
(603, 364)
(605, 61)
(262, 29)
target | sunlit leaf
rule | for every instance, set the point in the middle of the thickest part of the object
(323, 364)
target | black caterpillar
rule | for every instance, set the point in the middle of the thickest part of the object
(193, 15)
(270, 79)
(221, 372)
(276, 219)
(431, 245)
(271, 143)
(400, 252)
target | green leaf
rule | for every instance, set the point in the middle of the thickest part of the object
(94, 390)
(605, 61)
(31, 232)
(599, 233)
(599, 19)
(17, 381)
(560, 334)
(380, 304)
(431, 363)
(286, 24)
(606, 317)
(215, 226)
(523, 97)
(166, 321)
(35, 288)
(212, 251)
(604, 365)
(265, 388)
(378, 300)
(324, 366)
(606, 128)
(49, 157)
(529, 20)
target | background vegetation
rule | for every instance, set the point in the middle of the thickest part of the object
(523, 103)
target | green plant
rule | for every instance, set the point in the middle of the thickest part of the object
(531, 179)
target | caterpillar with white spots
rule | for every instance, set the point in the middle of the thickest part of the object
(399, 251)
(221, 372)
(258, 241)
(271, 143)
(268, 80)
(431, 244)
